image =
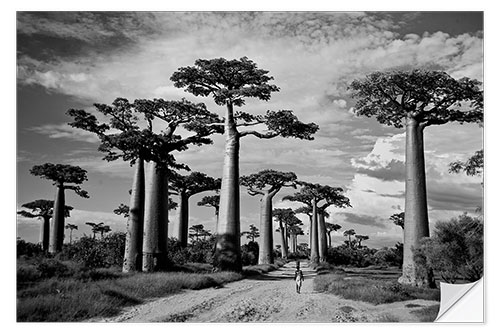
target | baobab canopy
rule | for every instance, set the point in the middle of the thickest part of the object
(225, 79)
(430, 97)
(63, 173)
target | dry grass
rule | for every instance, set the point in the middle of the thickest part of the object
(427, 314)
(373, 291)
(71, 299)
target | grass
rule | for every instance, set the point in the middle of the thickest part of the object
(68, 299)
(375, 291)
(427, 314)
(262, 269)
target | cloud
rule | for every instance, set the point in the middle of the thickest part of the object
(366, 220)
(64, 131)
(394, 170)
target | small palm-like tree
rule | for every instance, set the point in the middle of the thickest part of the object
(96, 227)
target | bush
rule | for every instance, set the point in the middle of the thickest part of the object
(95, 253)
(28, 249)
(389, 256)
(455, 250)
(49, 268)
(250, 253)
(350, 256)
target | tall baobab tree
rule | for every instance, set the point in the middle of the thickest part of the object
(267, 184)
(185, 187)
(285, 217)
(62, 175)
(349, 233)
(294, 229)
(329, 228)
(230, 82)
(417, 99)
(147, 223)
(71, 227)
(311, 195)
(42, 209)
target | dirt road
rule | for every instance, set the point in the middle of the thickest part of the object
(271, 298)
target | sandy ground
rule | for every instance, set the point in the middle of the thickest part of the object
(271, 298)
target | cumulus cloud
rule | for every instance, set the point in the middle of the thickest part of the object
(64, 131)
(394, 170)
(364, 220)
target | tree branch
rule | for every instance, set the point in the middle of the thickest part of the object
(251, 124)
(253, 192)
(268, 135)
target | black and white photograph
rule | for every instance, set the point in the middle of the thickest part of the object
(248, 166)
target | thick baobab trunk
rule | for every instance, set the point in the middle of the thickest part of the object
(45, 233)
(322, 237)
(57, 233)
(266, 227)
(314, 234)
(183, 218)
(228, 251)
(284, 250)
(416, 223)
(154, 256)
(132, 260)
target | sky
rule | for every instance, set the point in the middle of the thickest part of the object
(74, 59)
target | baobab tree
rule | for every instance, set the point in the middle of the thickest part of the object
(62, 175)
(284, 217)
(230, 82)
(398, 219)
(417, 99)
(252, 234)
(329, 228)
(311, 195)
(185, 187)
(147, 224)
(267, 184)
(42, 209)
(349, 233)
(71, 227)
(294, 229)
(360, 238)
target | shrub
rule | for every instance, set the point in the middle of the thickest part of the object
(351, 256)
(250, 253)
(455, 250)
(49, 268)
(95, 253)
(27, 274)
(389, 256)
(28, 249)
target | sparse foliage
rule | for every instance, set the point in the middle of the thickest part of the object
(398, 219)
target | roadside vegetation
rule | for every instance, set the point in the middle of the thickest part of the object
(85, 280)
(371, 289)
